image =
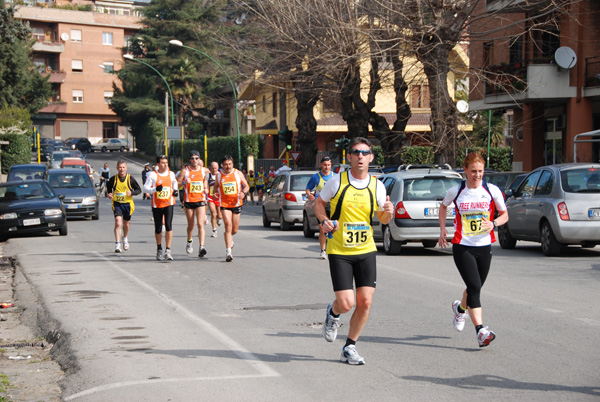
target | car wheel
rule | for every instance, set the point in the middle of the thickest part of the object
(550, 246)
(283, 225)
(429, 243)
(96, 216)
(266, 221)
(104, 149)
(506, 240)
(121, 149)
(390, 246)
(308, 233)
(588, 244)
(63, 231)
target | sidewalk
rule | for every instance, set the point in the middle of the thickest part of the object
(27, 372)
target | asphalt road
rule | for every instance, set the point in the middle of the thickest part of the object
(202, 329)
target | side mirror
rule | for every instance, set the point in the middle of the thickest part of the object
(97, 184)
(508, 193)
(61, 197)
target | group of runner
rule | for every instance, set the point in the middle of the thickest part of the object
(221, 189)
(355, 197)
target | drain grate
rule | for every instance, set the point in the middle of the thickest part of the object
(24, 345)
(320, 306)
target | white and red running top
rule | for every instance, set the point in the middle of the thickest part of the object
(471, 206)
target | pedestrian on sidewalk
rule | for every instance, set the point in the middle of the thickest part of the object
(354, 197)
(474, 204)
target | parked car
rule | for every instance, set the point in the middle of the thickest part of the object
(78, 163)
(56, 158)
(285, 199)
(503, 180)
(112, 144)
(46, 151)
(556, 205)
(30, 207)
(80, 143)
(417, 193)
(79, 191)
(29, 171)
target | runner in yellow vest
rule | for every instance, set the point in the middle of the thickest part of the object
(354, 197)
(121, 188)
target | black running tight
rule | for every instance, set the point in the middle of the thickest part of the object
(473, 263)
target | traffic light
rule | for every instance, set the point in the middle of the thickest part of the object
(346, 142)
(286, 136)
(342, 143)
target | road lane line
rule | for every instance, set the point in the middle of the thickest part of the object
(588, 321)
(263, 369)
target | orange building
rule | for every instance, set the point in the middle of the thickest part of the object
(547, 80)
(79, 49)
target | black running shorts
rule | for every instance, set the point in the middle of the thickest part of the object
(344, 268)
(236, 210)
(123, 210)
(194, 205)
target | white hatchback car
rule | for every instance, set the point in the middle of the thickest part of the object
(417, 193)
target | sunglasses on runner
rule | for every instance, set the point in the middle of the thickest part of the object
(360, 151)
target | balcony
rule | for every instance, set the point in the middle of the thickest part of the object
(524, 82)
(592, 71)
(49, 47)
(56, 77)
(54, 107)
(516, 6)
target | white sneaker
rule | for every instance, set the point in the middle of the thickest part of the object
(229, 257)
(160, 254)
(351, 356)
(219, 222)
(189, 248)
(323, 255)
(117, 247)
(330, 325)
(459, 318)
(168, 255)
(125, 244)
(214, 233)
(206, 221)
(485, 337)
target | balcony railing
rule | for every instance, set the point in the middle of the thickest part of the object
(56, 77)
(50, 47)
(54, 107)
(506, 78)
(592, 71)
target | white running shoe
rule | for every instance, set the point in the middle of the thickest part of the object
(485, 337)
(125, 244)
(168, 255)
(117, 247)
(206, 220)
(189, 248)
(459, 318)
(351, 356)
(214, 233)
(330, 325)
(229, 257)
(202, 252)
(160, 254)
(323, 255)
(219, 222)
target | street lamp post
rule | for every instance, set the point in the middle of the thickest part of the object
(130, 57)
(176, 42)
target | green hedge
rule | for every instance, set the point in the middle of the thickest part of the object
(219, 147)
(500, 158)
(17, 152)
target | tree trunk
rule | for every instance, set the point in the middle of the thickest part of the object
(307, 96)
(354, 109)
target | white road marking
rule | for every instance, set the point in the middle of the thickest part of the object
(263, 369)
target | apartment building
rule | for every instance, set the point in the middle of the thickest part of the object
(547, 81)
(78, 48)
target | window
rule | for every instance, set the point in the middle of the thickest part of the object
(75, 35)
(419, 96)
(128, 41)
(107, 38)
(274, 104)
(516, 51)
(108, 67)
(544, 186)
(38, 33)
(78, 96)
(488, 54)
(528, 186)
(77, 65)
(108, 96)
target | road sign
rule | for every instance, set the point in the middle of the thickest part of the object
(295, 155)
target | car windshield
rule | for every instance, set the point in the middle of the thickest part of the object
(76, 154)
(25, 174)
(428, 188)
(299, 182)
(584, 180)
(69, 180)
(25, 191)
(59, 156)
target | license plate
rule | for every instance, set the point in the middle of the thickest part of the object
(72, 206)
(30, 222)
(303, 197)
(594, 213)
(436, 212)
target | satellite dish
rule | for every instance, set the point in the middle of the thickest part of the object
(565, 57)
(519, 134)
(64, 36)
(462, 106)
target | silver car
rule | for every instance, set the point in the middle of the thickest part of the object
(417, 194)
(284, 199)
(555, 205)
(56, 159)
